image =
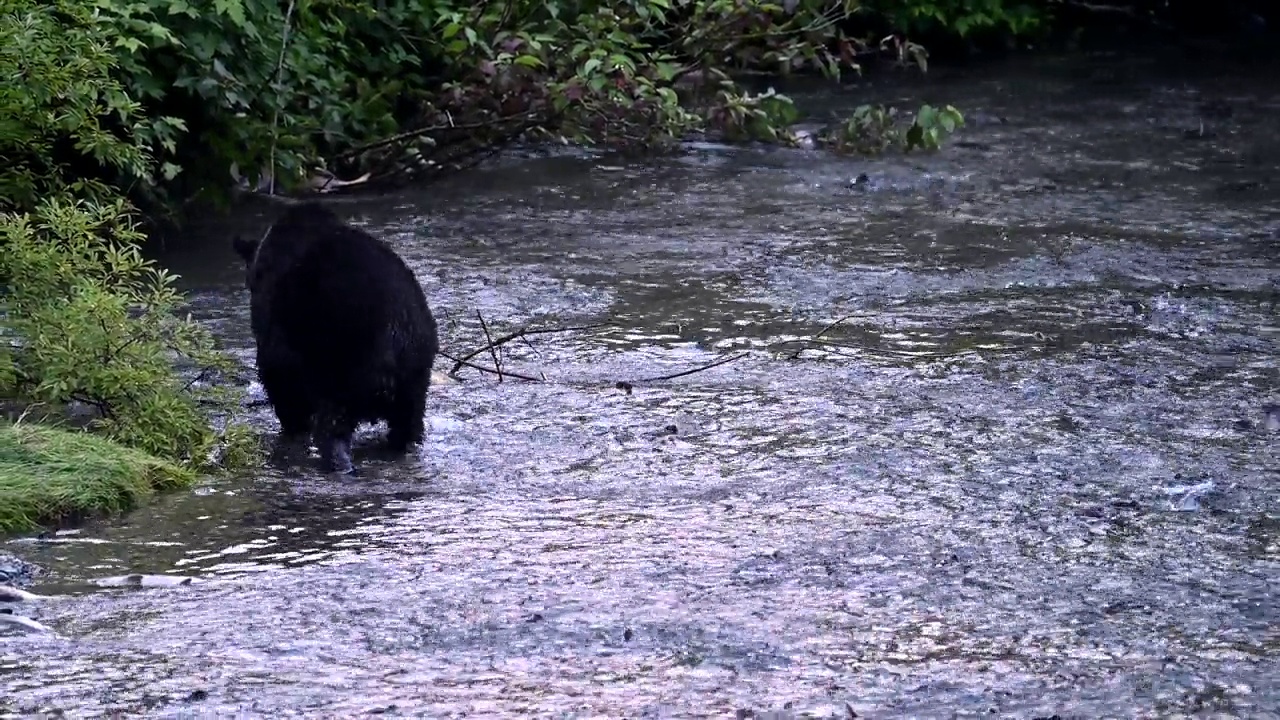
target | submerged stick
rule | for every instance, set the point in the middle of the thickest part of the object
(481, 368)
(823, 331)
(673, 376)
(521, 333)
(493, 351)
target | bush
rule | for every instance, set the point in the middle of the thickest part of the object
(283, 90)
(64, 121)
(97, 324)
(83, 316)
(1012, 18)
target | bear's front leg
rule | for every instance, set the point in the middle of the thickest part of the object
(406, 421)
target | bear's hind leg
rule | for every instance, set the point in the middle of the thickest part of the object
(289, 400)
(333, 431)
(406, 425)
(295, 420)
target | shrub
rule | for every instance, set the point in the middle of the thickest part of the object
(64, 117)
(84, 318)
(285, 89)
(91, 321)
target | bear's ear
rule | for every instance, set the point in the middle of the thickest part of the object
(245, 248)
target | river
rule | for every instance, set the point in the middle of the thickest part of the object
(1030, 473)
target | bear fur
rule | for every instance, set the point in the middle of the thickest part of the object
(343, 331)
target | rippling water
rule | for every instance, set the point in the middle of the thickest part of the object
(1029, 474)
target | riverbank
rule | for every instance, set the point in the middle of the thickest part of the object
(49, 475)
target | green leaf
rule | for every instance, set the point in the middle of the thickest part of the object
(233, 9)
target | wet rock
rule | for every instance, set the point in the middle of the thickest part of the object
(1271, 417)
(804, 138)
(16, 572)
(1186, 498)
(197, 696)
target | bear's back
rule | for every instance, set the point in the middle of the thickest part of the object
(331, 287)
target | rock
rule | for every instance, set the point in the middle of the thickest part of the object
(1271, 417)
(16, 572)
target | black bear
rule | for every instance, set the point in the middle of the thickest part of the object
(343, 330)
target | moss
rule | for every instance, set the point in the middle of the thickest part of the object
(50, 475)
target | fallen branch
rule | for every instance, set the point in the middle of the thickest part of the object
(493, 350)
(823, 331)
(481, 368)
(811, 344)
(521, 333)
(626, 384)
(418, 132)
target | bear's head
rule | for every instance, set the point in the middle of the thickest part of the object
(245, 248)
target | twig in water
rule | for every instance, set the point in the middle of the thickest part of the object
(521, 333)
(481, 368)
(493, 351)
(673, 376)
(803, 344)
(823, 331)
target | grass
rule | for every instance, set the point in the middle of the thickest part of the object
(51, 476)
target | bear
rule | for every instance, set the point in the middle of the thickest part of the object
(343, 330)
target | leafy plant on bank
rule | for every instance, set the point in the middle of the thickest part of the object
(83, 317)
(64, 117)
(277, 92)
(1014, 18)
(93, 322)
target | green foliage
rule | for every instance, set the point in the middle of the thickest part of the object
(281, 90)
(209, 80)
(962, 17)
(48, 475)
(931, 126)
(873, 129)
(97, 326)
(744, 116)
(91, 321)
(84, 318)
(61, 106)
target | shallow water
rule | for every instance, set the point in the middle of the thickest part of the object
(990, 496)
